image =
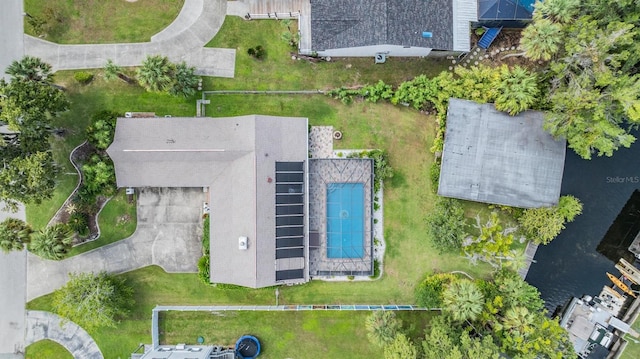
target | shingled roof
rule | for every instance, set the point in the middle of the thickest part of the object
(353, 23)
(492, 157)
(235, 157)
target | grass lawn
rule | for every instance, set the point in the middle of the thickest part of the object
(117, 221)
(279, 71)
(97, 21)
(632, 350)
(47, 349)
(152, 286)
(310, 334)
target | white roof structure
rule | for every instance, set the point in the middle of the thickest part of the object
(236, 158)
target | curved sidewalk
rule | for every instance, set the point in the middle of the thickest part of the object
(169, 235)
(182, 40)
(45, 325)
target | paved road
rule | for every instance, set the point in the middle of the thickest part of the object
(183, 40)
(45, 325)
(13, 278)
(169, 235)
(11, 33)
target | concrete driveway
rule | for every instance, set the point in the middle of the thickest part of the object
(183, 40)
(169, 234)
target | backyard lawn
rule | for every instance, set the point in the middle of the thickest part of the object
(306, 334)
(98, 21)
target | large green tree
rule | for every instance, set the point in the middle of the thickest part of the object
(444, 340)
(14, 234)
(542, 225)
(446, 225)
(28, 179)
(93, 300)
(401, 348)
(594, 94)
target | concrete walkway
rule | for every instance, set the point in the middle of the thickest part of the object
(45, 325)
(183, 40)
(169, 235)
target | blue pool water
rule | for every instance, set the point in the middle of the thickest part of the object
(345, 220)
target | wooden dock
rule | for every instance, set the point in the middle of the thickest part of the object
(629, 271)
(529, 253)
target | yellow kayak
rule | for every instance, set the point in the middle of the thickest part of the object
(618, 283)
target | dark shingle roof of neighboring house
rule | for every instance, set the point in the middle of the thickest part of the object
(352, 23)
(492, 157)
(235, 157)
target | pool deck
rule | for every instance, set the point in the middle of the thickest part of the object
(337, 170)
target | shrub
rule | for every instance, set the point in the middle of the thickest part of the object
(257, 52)
(429, 291)
(204, 269)
(99, 176)
(446, 225)
(434, 176)
(102, 129)
(206, 236)
(83, 77)
(79, 223)
(376, 269)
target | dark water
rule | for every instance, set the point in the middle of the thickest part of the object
(571, 265)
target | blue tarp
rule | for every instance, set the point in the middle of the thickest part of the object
(505, 9)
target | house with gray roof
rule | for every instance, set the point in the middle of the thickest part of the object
(254, 169)
(492, 157)
(391, 27)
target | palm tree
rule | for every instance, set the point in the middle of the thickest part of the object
(52, 242)
(517, 91)
(14, 234)
(518, 319)
(156, 73)
(541, 39)
(463, 300)
(30, 69)
(186, 81)
(113, 71)
(560, 11)
(382, 327)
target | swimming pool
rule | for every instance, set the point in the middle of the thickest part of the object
(345, 220)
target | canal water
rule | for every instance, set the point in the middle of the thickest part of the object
(571, 265)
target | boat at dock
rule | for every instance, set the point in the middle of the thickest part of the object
(620, 284)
